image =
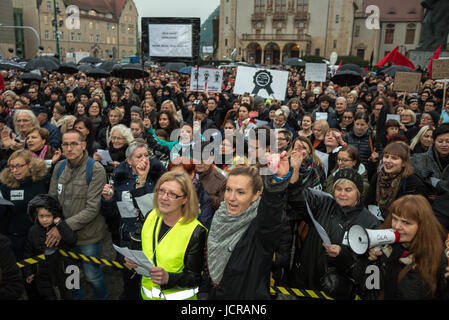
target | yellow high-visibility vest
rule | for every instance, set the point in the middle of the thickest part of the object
(169, 254)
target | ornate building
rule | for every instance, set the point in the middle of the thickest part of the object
(267, 31)
(107, 27)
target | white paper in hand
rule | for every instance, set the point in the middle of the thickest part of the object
(105, 156)
(138, 257)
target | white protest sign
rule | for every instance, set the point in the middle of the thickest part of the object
(170, 40)
(202, 79)
(262, 82)
(316, 72)
(394, 117)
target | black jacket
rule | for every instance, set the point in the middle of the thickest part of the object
(311, 260)
(362, 144)
(410, 286)
(246, 276)
(11, 282)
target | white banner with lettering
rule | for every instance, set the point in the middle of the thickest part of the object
(170, 40)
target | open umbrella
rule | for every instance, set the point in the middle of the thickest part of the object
(174, 66)
(68, 68)
(347, 78)
(85, 68)
(185, 70)
(129, 71)
(108, 65)
(91, 60)
(97, 73)
(294, 62)
(393, 69)
(30, 77)
(353, 67)
(43, 63)
(9, 64)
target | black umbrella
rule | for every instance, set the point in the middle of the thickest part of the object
(294, 62)
(108, 65)
(9, 64)
(174, 66)
(97, 73)
(68, 68)
(43, 63)
(85, 68)
(353, 67)
(347, 78)
(393, 69)
(129, 71)
(30, 77)
(91, 60)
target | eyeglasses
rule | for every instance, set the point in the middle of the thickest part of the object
(16, 167)
(343, 160)
(117, 138)
(71, 144)
(171, 195)
(347, 117)
(281, 139)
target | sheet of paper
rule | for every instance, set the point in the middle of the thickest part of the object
(138, 257)
(145, 203)
(375, 211)
(127, 209)
(324, 157)
(321, 232)
(105, 156)
(321, 116)
(434, 181)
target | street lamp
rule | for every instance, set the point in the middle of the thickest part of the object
(56, 28)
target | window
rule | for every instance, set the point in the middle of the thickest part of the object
(337, 18)
(389, 34)
(79, 36)
(226, 42)
(410, 33)
(259, 6)
(54, 35)
(302, 5)
(357, 31)
(61, 35)
(317, 51)
(361, 53)
(47, 34)
(280, 5)
(335, 44)
(72, 36)
(48, 5)
(227, 20)
(97, 38)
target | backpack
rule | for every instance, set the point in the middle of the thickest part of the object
(89, 169)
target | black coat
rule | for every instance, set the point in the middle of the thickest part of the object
(311, 260)
(246, 276)
(11, 282)
(410, 286)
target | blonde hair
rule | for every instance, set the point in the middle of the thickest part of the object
(419, 135)
(191, 208)
(38, 169)
(411, 113)
(65, 123)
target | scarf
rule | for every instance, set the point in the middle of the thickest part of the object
(41, 155)
(387, 189)
(225, 232)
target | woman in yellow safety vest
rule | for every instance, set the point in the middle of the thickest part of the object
(173, 239)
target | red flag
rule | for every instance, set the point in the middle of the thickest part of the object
(397, 58)
(2, 83)
(339, 66)
(436, 55)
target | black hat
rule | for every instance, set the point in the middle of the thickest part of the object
(435, 116)
(351, 175)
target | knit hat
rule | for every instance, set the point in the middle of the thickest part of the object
(351, 175)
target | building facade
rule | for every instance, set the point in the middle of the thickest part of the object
(7, 35)
(107, 28)
(267, 31)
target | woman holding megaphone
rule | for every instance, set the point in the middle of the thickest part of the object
(415, 267)
(320, 266)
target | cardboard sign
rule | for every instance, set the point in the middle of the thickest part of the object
(407, 82)
(316, 72)
(440, 69)
(262, 82)
(202, 79)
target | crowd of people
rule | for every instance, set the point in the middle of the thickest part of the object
(233, 186)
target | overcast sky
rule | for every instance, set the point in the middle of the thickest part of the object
(176, 8)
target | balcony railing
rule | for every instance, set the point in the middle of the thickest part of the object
(276, 37)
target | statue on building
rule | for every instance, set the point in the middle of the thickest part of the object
(435, 27)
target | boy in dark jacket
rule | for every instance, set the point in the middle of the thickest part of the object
(46, 212)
